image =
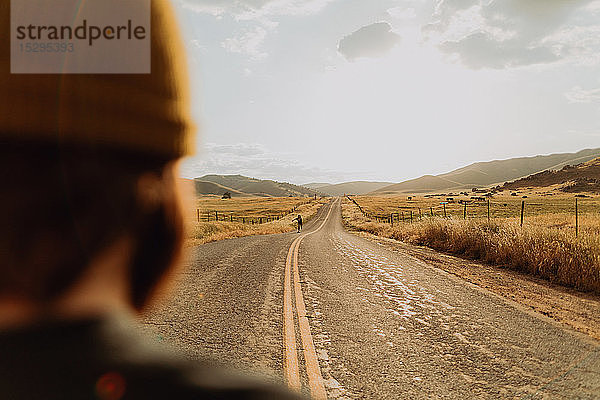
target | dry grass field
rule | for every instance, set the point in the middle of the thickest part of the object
(250, 210)
(543, 208)
(249, 207)
(546, 244)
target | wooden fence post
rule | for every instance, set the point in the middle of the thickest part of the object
(465, 210)
(576, 219)
(431, 209)
(522, 211)
(216, 215)
(445, 210)
(488, 209)
(411, 219)
(198, 214)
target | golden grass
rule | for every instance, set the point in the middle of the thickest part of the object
(501, 206)
(204, 232)
(250, 207)
(545, 246)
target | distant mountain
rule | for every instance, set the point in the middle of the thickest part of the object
(490, 173)
(315, 185)
(584, 177)
(354, 187)
(239, 185)
(205, 187)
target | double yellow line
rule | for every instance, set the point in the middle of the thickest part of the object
(291, 368)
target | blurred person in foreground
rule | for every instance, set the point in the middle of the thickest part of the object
(91, 226)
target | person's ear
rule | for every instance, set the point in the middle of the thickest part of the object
(158, 237)
(149, 192)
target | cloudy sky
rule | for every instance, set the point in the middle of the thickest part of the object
(337, 90)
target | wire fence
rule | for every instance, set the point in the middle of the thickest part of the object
(476, 208)
(231, 216)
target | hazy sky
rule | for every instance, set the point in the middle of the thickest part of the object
(336, 90)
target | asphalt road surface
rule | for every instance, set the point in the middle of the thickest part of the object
(339, 316)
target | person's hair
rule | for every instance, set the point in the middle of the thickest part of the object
(62, 205)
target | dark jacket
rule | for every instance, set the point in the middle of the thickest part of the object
(109, 359)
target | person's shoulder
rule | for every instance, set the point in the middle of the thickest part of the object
(196, 381)
(152, 370)
(166, 379)
(114, 357)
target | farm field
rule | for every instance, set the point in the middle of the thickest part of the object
(246, 216)
(251, 208)
(541, 208)
(546, 245)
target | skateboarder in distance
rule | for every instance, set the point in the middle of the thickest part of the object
(299, 219)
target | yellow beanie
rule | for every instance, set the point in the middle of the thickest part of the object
(145, 113)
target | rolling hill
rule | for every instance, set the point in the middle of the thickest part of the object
(204, 187)
(239, 185)
(354, 187)
(316, 185)
(584, 177)
(490, 173)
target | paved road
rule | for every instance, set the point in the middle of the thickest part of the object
(382, 324)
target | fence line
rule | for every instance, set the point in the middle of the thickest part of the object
(442, 211)
(225, 216)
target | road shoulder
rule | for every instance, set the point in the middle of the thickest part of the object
(577, 310)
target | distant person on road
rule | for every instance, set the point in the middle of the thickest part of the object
(92, 228)
(299, 219)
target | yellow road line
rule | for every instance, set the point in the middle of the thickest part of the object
(313, 372)
(290, 355)
(291, 372)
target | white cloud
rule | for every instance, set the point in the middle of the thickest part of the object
(402, 13)
(445, 11)
(215, 8)
(198, 45)
(238, 149)
(261, 13)
(482, 50)
(580, 95)
(250, 43)
(506, 33)
(285, 7)
(593, 7)
(372, 40)
(581, 44)
(254, 9)
(256, 161)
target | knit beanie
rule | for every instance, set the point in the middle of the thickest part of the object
(143, 113)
